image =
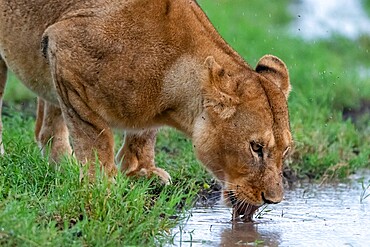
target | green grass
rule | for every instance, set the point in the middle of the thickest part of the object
(366, 4)
(41, 205)
(16, 92)
(46, 205)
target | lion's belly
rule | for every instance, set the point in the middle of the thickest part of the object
(124, 106)
(34, 74)
(20, 42)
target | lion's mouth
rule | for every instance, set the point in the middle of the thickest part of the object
(241, 209)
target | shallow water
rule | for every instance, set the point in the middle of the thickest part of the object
(310, 215)
(317, 19)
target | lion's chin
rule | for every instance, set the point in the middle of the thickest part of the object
(244, 211)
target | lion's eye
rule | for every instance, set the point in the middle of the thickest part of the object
(257, 148)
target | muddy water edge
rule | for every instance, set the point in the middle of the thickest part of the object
(310, 215)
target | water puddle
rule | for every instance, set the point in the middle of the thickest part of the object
(310, 215)
(318, 19)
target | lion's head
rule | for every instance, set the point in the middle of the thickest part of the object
(244, 135)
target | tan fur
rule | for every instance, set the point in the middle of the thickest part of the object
(140, 64)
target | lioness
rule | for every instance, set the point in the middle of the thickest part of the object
(140, 64)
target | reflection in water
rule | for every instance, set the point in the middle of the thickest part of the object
(247, 234)
(309, 216)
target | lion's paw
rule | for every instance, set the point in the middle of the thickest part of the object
(162, 174)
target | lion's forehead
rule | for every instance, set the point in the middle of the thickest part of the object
(281, 128)
(274, 137)
(280, 133)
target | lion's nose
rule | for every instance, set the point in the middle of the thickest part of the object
(271, 198)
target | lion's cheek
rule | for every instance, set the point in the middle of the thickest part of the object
(211, 161)
(207, 148)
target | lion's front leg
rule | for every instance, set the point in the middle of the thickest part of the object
(92, 138)
(137, 156)
(51, 131)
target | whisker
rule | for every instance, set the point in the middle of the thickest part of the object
(209, 162)
(245, 203)
(227, 182)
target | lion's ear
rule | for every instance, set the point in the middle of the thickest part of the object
(275, 70)
(218, 91)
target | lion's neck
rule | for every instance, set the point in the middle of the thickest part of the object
(181, 93)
